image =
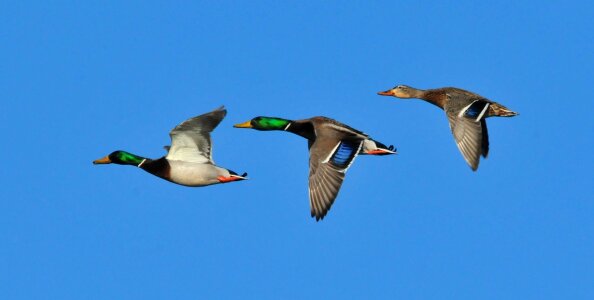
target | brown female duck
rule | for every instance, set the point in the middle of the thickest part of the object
(466, 112)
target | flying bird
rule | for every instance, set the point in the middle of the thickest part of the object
(333, 147)
(189, 158)
(466, 112)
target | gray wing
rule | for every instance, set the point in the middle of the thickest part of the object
(190, 140)
(468, 134)
(328, 163)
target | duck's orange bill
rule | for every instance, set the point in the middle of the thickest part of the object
(386, 93)
(246, 124)
(101, 161)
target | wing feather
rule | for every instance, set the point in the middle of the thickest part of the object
(190, 140)
(468, 134)
(329, 161)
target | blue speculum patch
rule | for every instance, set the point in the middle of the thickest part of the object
(344, 154)
(475, 109)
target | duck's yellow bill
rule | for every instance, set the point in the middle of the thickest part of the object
(104, 160)
(246, 124)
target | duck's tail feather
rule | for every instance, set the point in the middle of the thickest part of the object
(498, 110)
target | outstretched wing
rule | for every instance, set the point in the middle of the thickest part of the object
(328, 163)
(470, 130)
(190, 140)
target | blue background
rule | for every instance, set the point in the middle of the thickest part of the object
(79, 80)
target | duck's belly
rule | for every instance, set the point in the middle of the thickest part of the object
(193, 174)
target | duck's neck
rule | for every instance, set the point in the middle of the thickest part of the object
(158, 167)
(416, 93)
(435, 97)
(304, 129)
(126, 158)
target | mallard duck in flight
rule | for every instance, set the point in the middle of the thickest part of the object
(333, 147)
(466, 112)
(189, 158)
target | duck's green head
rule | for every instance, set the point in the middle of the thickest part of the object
(400, 91)
(120, 158)
(265, 123)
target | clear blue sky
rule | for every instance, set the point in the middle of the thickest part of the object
(79, 80)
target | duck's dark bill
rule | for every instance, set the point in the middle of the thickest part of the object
(247, 124)
(104, 160)
(386, 93)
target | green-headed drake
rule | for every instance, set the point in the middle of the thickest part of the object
(333, 147)
(466, 112)
(189, 158)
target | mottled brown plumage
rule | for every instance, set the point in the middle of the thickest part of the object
(466, 112)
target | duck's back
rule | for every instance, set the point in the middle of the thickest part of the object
(329, 127)
(464, 96)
